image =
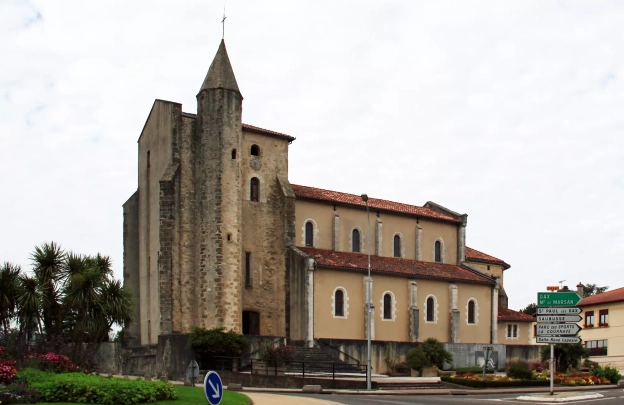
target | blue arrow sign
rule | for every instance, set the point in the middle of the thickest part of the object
(213, 388)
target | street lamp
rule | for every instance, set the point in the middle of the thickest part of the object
(368, 299)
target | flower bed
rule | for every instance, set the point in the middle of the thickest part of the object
(491, 381)
(7, 371)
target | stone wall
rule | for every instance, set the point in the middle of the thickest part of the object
(524, 352)
(131, 263)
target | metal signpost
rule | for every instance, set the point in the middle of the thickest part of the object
(554, 310)
(213, 388)
(192, 372)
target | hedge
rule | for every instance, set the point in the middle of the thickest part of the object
(495, 384)
(85, 388)
(473, 370)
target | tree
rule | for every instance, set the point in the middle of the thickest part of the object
(69, 296)
(428, 354)
(592, 289)
(530, 309)
(566, 355)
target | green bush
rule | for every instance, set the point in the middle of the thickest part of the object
(275, 354)
(519, 369)
(217, 342)
(495, 384)
(84, 388)
(611, 374)
(428, 354)
(473, 370)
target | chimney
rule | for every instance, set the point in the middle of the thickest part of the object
(579, 289)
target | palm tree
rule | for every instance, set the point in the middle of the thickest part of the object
(48, 260)
(9, 284)
(29, 303)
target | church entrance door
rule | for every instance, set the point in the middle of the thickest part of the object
(251, 323)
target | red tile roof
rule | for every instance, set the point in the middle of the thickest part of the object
(473, 254)
(395, 266)
(606, 297)
(509, 315)
(313, 193)
(252, 128)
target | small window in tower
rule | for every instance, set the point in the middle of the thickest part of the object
(387, 306)
(438, 251)
(309, 234)
(254, 192)
(255, 150)
(355, 241)
(247, 269)
(233, 153)
(148, 159)
(471, 312)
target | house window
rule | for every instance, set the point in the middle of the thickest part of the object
(309, 234)
(255, 150)
(589, 319)
(603, 319)
(471, 312)
(397, 246)
(438, 251)
(148, 159)
(597, 347)
(247, 269)
(254, 189)
(387, 306)
(355, 241)
(233, 153)
(512, 331)
(339, 303)
(430, 309)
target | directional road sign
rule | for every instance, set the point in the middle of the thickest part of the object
(564, 329)
(213, 388)
(558, 318)
(558, 339)
(557, 299)
(559, 311)
(192, 372)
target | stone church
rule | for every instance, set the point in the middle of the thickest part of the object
(216, 235)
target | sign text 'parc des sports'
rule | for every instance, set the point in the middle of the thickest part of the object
(565, 329)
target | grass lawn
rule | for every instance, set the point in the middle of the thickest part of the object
(191, 396)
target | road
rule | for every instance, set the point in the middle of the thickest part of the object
(611, 397)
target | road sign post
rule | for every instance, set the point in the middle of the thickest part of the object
(213, 388)
(554, 310)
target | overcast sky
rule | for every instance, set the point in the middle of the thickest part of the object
(509, 111)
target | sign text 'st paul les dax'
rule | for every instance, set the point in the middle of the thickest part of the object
(559, 311)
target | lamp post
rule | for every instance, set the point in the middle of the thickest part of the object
(368, 299)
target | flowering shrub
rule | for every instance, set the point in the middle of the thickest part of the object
(278, 354)
(56, 363)
(7, 372)
(18, 394)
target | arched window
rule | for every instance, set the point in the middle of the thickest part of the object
(233, 153)
(309, 234)
(438, 251)
(387, 306)
(355, 241)
(397, 246)
(339, 303)
(254, 189)
(255, 150)
(471, 311)
(430, 309)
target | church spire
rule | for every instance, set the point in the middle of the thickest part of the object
(220, 74)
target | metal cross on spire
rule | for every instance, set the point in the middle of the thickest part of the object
(223, 23)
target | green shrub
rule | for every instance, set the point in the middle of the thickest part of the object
(473, 370)
(611, 374)
(519, 369)
(34, 375)
(428, 354)
(79, 387)
(275, 354)
(210, 343)
(495, 384)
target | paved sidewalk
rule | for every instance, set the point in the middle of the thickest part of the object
(272, 399)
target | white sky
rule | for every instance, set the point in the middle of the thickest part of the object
(509, 111)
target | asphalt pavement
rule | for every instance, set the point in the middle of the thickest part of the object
(609, 397)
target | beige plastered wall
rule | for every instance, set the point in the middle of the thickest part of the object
(614, 333)
(322, 215)
(352, 325)
(155, 138)
(524, 337)
(494, 270)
